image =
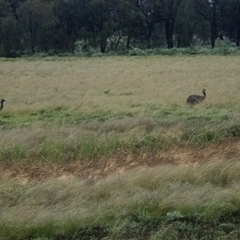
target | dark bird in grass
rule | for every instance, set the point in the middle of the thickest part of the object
(195, 99)
(1, 106)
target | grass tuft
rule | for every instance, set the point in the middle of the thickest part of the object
(142, 203)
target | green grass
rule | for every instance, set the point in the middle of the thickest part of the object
(60, 135)
(54, 116)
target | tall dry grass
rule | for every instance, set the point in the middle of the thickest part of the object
(166, 192)
(134, 82)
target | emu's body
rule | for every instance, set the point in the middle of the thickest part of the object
(195, 99)
(1, 106)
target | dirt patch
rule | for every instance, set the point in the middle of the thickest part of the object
(102, 167)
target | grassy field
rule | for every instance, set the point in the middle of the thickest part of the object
(56, 109)
(135, 83)
(133, 163)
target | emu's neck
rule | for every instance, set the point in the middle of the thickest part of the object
(204, 94)
(1, 107)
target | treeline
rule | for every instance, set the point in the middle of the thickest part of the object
(61, 26)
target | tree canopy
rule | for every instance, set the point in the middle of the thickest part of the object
(59, 26)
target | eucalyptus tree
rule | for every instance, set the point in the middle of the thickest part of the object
(231, 23)
(168, 12)
(70, 19)
(33, 18)
(212, 11)
(150, 13)
(9, 34)
(101, 21)
(186, 24)
(237, 7)
(158, 11)
(128, 22)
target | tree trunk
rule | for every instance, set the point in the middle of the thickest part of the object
(117, 43)
(149, 41)
(238, 35)
(129, 37)
(149, 34)
(103, 45)
(32, 33)
(179, 38)
(238, 25)
(214, 26)
(213, 33)
(169, 33)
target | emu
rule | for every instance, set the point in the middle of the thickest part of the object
(1, 106)
(195, 99)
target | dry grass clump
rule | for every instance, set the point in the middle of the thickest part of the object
(144, 124)
(210, 190)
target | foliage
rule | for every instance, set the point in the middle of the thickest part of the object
(57, 27)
